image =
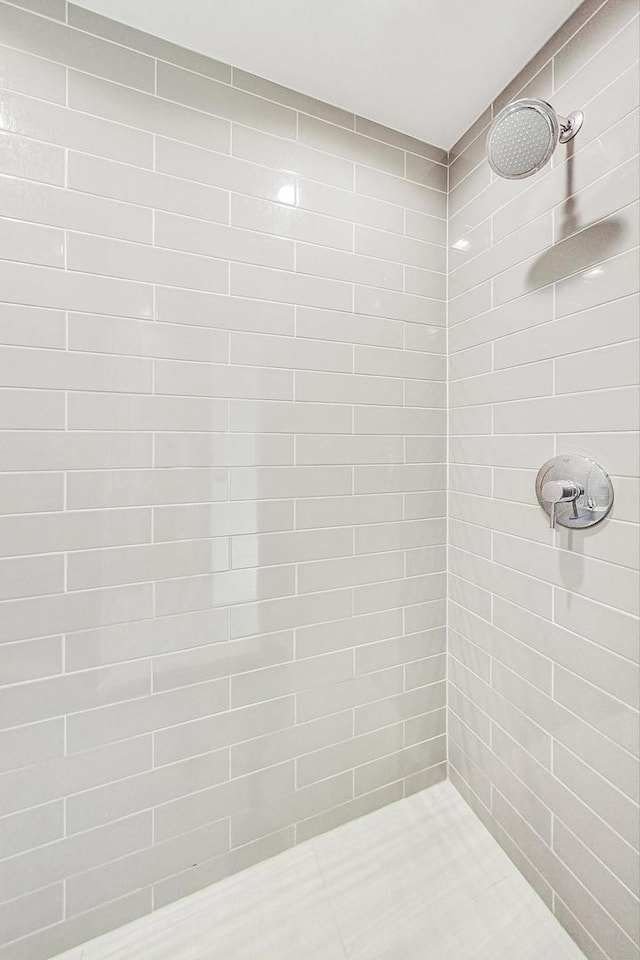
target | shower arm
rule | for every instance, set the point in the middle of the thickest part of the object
(570, 125)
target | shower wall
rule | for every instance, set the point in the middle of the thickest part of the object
(222, 471)
(543, 316)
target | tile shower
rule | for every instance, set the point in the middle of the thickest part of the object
(276, 382)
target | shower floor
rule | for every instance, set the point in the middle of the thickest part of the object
(420, 879)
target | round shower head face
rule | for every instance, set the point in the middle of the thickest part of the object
(522, 138)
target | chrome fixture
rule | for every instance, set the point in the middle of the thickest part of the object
(524, 135)
(574, 491)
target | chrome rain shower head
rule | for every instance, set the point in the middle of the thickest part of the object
(524, 135)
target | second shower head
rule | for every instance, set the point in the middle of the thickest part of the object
(524, 135)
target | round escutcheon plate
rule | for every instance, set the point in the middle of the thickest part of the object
(596, 499)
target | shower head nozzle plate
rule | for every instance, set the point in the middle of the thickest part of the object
(522, 138)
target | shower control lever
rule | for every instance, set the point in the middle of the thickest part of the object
(561, 491)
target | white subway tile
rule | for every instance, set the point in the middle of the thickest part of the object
(282, 220)
(222, 450)
(232, 727)
(178, 378)
(389, 246)
(227, 313)
(382, 186)
(221, 519)
(153, 46)
(348, 449)
(228, 587)
(599, 410)
(347, 388)
(123, 721)
(270, 351)
(399, 306)
(605, 582)
(290, 612)
(346, 205)
(86, 411)
(31, 243)
(602, 325)
(72, 48)
(64, 858)
(51, 205)
(611, 366)
(31, 492)
(352, 268)
(29, 577)
(397, 479)
(112, 801)
(21, 157)
(58, 370)
(29, 74)
(348, 571)
(37, 617)
(301, 675)
(31, 660)
(353, 146)
(347, 510)
(147, 188)
(30, 409)
(148, 264)
(219, 240)
(49, 532)
(588, 618)
(129, 641)
(175, 341)
(399, 363)
(211, 96)
(254, 550)
(157, 561)
(291, 98)
(146, 112)
(288, 156)
(130, 488)
(62, 290)
(51, 697)
(74, 130)
(252, 483)
(401, 140)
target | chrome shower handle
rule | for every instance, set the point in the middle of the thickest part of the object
(561, 491)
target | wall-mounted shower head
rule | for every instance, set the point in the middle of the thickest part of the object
(524, 135)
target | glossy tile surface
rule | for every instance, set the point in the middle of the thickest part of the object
(421, 874)
(543, 359)
(222, 383)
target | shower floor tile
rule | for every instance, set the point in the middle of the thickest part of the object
(420, 879)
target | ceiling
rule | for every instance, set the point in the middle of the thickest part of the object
(425, 67)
